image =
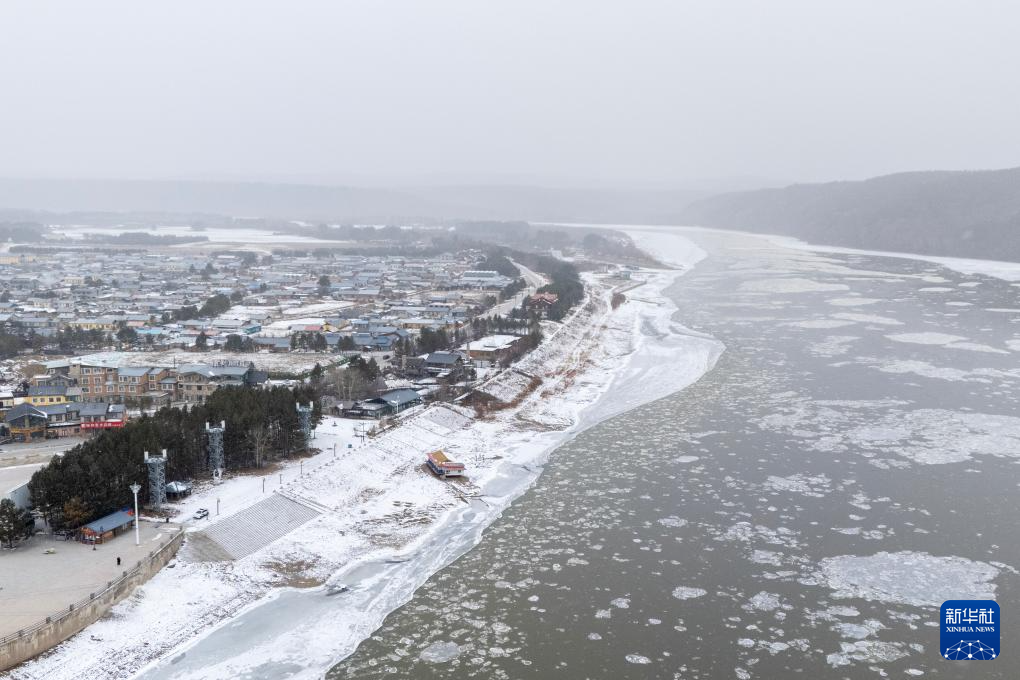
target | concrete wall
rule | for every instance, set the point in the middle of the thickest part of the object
(52, 632)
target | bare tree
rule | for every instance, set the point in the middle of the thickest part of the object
(349, 385)
(259, 437)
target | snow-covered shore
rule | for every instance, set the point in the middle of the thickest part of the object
(999, 269)
(386, 524)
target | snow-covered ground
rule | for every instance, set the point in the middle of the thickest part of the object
(291, 362)
(386, 524)
(212, 235)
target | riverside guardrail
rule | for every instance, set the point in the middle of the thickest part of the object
(33, 640)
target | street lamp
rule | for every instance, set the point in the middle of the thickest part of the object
(135, 488)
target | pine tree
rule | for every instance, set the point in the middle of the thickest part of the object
(14, 522)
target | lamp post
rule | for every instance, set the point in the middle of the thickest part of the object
(135, 488)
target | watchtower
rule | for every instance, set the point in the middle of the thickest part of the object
(215, 448)
(157, 479)
(305, 423)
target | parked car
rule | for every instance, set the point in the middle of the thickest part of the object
(201, 513)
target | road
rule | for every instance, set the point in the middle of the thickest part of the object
(36, 452)
(532, 279)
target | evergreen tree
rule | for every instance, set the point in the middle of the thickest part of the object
(76, 512)
(127, 335)
(92, 479)
(14, 522)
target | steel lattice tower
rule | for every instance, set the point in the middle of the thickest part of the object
(157, 479)
(305, 423)
(215, 449)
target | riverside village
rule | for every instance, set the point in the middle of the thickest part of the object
(238, 408)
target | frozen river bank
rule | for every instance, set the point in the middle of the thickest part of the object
(800, 511)
(388, 526)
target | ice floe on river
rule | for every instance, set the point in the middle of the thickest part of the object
(881, 428)
(790, 285)
(688, 593)
(912, 578)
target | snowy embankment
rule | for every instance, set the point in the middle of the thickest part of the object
(385, 524)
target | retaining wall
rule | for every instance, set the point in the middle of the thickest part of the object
(59, 626)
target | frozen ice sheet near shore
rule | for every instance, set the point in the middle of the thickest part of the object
(1007, 271)
(385, 523)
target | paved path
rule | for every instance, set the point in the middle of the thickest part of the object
(34, 585)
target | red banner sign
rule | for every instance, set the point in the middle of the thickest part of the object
(102, 424)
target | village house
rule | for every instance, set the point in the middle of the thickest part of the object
(541, 302)
(386, 404)
(493, 349)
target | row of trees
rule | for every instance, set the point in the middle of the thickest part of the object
(16, 338)
(499, 263)
(565, 283)
(92, 479)
(310, 340)
(239, 343)
(357, 380)
(516, 324)
(512, 288)
(214, 306)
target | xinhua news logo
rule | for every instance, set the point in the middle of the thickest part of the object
(969, 630)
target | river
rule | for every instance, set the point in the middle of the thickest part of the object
(801, 511)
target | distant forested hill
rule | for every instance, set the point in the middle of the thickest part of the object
(966, 214)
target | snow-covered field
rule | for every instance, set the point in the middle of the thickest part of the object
(386, 524)
(291, 362)
(241, 236)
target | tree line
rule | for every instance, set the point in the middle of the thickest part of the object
(565, 282)
(93, 478)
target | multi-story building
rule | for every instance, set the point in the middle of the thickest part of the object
(196, 382)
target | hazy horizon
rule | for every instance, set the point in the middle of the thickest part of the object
(649, 95)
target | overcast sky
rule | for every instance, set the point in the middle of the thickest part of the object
(554, 91)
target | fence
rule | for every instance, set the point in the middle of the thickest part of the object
(57, 627)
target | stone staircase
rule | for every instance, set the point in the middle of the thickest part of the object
(251, 529)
